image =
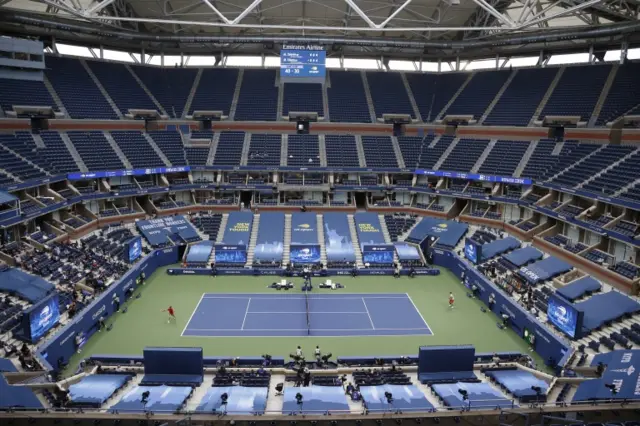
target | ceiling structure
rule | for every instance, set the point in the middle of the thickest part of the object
(410, 29)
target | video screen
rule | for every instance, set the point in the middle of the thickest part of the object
(472, 251)
(135, 249)
(564, 316)
(305, 254)
(44, 318)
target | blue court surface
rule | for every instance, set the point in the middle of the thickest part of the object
(286, 315)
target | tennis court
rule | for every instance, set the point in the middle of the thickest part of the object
(294, 315)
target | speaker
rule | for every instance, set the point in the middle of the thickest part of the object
(302, 127)
(398, 129)
(205, 124)
(556, 133)
(38, 124)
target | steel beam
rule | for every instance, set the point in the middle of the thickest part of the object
(98, 7)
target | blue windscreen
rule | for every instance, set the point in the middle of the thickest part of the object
(304, 229)
(270, 240)
(369, 229)
(337, 238)
(238, 230)
(407, 252)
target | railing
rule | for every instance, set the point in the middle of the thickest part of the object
(472, 408)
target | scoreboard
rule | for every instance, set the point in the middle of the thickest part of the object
(302, 64)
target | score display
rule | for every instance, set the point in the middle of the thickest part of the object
(302, 63)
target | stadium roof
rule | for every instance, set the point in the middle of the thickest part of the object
(372, 28)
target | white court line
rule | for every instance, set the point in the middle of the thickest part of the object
(419, 313)
(304, 329)
(304, 312)
(246, 311)
(192, 313)
(298, 297)
(368, 314)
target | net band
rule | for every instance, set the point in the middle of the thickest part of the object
(306, 299)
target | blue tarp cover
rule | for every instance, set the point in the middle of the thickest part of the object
(578, 288)
(523, 256)
(497, 247)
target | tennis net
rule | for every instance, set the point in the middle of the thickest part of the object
(306, 299)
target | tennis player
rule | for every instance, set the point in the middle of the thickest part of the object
(172, 315)
(452, 300)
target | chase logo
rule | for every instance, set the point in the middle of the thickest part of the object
(442, 226)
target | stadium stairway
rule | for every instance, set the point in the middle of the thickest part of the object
(223, 228)
(286, 245)
(354, 241)
(212, 148)
(101, 88)
(54, 96)
(547, 95)
(608, 168)
(284, 148)
(117, 150)
(525, 158)
(236, 95)
(192, 93)
(571, 166)
(361, 157)
(496, 99)
(74, 152)
(251, 250)
(386, 235)
(446, 153)
(484, 156)
(246, 147)
(280, 101)
(412, 99)
(367, 94)
(627, 188)
(322, 148)
(157, 149)
(147, 91)
(398, 152)
(442, 113)
(323, 248)
(603, 95)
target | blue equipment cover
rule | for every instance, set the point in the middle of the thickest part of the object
(304, 229)
(448, 232)
(338, 237)
(200, 252)
(316, 400)
(497, 247)
(405, 398)
(481, 396)
(158, 231)
(519, 382)
(523, 256)
(578, 288)
(241, 400)
(238, 230)
(368, 229)
(162, 399)
(17, 396)
(26, 286)
(605, 307)
(270, 242)
(623, 371)
(94, 390)
(544, 269)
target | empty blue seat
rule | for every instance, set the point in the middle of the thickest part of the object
(347, 99)
(388, 94)
(215, 90)
(504, 158)
(264, 150)
(341, 151)
(170, 86)
(464, 155)
(122, 87)
(433, 91)
(303, 151)
(258, 99)
(302, 97)
(478, 94)
(378, 152)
